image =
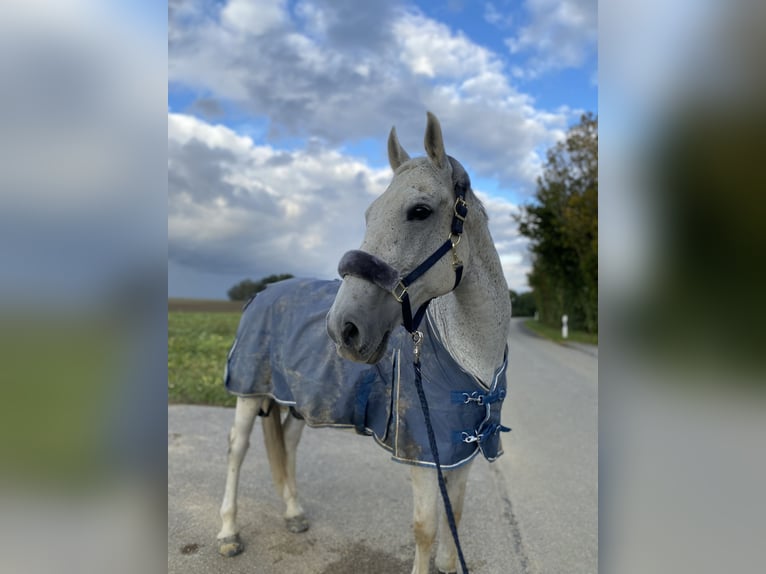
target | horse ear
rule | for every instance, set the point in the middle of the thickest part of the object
(434, 143)
(396, 154)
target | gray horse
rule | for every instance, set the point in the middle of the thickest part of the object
(331, 353)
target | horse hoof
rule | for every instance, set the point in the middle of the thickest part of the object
(230, 546)
(297, 524)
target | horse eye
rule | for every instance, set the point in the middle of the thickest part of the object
(419, 212)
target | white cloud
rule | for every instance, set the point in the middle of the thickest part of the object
(511, 246)
(431, 49)
(234, 206)
(560, 34)
(184, 128)
(495, 17)
(254, 16)
(343, 74)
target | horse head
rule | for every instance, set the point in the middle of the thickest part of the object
(403, 260)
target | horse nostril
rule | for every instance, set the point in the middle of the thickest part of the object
(350, 334)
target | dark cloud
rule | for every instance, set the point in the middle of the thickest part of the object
(198, 170)
(207, 107)
(347, 25)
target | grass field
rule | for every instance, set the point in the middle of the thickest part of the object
(200, 334)
(554, 333)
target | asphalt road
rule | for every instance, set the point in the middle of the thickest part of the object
(533, 511)
(550, 468)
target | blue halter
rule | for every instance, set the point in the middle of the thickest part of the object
(366, 266)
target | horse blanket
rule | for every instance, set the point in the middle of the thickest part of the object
(282, 350)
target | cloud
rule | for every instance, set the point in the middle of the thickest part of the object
(512, 247)
(430, 49)
(332, 71)
(560, 34)
(240, 209)
(495, 17)
(237, 207)
(318, 77)
(254, 17)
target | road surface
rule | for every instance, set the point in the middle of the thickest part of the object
(533, 511)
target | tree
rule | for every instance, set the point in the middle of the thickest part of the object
(523, 304)
(248, 288)
(562, 225)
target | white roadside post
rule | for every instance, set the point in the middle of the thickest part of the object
(564, 328)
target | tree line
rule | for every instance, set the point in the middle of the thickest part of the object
(248, 288)
(562, 225)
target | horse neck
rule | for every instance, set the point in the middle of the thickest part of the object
(473, 321)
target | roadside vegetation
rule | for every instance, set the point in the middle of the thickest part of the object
(198, 343)
(554, 333)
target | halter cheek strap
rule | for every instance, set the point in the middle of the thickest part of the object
(371, 268)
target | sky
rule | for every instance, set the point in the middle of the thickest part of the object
(279, 112)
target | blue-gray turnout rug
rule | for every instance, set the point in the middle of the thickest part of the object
(282, 350)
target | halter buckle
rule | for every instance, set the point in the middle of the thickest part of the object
(462, 203)
(402, 291)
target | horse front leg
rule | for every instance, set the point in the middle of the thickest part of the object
(425, 488)
(229, 543)
(446, 553)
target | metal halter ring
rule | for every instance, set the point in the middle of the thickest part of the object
(402, 292)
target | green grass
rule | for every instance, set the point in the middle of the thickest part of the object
(554, 333)
(198, 343)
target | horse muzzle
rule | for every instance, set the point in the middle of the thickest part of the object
(361, 320)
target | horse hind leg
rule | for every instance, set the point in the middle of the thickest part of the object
(282, 438)
(229, 542)
(295, 518)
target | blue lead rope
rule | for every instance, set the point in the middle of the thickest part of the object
(417, 338)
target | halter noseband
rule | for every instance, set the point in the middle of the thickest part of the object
(366, 266)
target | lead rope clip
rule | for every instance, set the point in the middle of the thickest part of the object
(456, 262)
(417, 340)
